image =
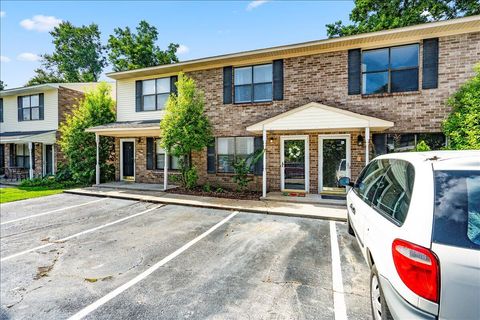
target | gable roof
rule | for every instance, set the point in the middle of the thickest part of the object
(317, 116)
(365, 40)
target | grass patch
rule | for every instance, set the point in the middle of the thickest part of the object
(22, 193)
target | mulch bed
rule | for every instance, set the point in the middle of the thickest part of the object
(228, 194)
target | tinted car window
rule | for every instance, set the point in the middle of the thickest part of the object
(394, 191)
(457, 208)
(368, 180)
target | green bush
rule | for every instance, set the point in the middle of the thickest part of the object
(48, 182)
(243, 168)
(97, 108)
(422, 146)
(207, 187)
(191, 177)
(462, 127)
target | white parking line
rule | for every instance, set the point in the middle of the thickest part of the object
(92, 307)
(338, 293)
(53, 211)
(79, 234)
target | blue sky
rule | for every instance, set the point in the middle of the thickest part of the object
(202, 28)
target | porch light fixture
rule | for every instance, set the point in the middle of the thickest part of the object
(271, 140)
(360, 140)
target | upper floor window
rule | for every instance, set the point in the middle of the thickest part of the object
(29, 107)
(392, 69)
(155, 93)
(253, 83)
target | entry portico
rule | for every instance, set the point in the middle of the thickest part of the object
(314, 145)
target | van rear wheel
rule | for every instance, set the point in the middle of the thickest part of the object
(380, 309)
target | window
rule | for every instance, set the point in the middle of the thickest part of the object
(31, 107)
(22, 158)
(155, 93)
(457, 208)
(173, 162)
(230, 150)
(395, 142)
(369, 178)
(394, 191)
(392, 69)
(253, 84)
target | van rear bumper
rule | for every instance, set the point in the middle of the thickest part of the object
(399, 307)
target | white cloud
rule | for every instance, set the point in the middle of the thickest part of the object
(4, 59)
(28, 56)
(2, 14)
(182, 49)
(255, 4)
(40, 23)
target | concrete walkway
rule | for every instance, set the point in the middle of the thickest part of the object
(307, 210)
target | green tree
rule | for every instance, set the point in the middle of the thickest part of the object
(462, 127)
(78, 55)
(185, 127)
(2, 85)
(129, 51)
(79, 147)
(376, 15)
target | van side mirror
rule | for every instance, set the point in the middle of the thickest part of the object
(345, 181)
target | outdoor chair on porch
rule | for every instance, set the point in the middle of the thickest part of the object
(16, 173)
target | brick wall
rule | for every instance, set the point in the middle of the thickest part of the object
(67, 101)
(323, 78)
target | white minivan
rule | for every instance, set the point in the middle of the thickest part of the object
(416, 217)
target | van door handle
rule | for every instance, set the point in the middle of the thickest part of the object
(352, 208)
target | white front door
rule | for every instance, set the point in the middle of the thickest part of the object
(294, 160)
(334, 162)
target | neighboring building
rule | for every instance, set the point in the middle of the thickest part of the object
(322, 108)
(30, 117)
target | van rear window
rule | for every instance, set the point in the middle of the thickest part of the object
(457, 208)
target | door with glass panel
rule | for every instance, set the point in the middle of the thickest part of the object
(334, 155)
(294, 163)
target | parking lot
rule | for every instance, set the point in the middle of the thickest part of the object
(71, 256)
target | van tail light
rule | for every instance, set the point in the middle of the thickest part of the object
(418, 268)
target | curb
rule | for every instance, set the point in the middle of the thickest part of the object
(153, 199)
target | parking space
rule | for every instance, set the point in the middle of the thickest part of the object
(124, 259)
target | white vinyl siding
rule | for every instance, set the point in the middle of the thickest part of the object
(10, 116)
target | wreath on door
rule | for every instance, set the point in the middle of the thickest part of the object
(294, 152)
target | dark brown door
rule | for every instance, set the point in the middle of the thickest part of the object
(48, 159)
(128, 159)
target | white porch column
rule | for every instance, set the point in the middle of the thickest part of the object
(97, 166)
(30, 171)
(264, 175)
(165, 171)
(367, 147)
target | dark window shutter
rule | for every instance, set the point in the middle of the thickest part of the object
(211, 158)
(1, 109)
(12, 155)
(430, 64)
(354, 71)
(258, 145)
(227, 84)
(138, 95)
(150, 153)
(173, 84)
(42, 106)
(33, 156)
(20, 112)
(278, 79)
(380, 143)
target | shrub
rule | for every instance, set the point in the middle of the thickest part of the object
(79, 147)
(462, 127)
(48, 182)
(422, 146)
(207, 188)
(243, 167)
(191, 177)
